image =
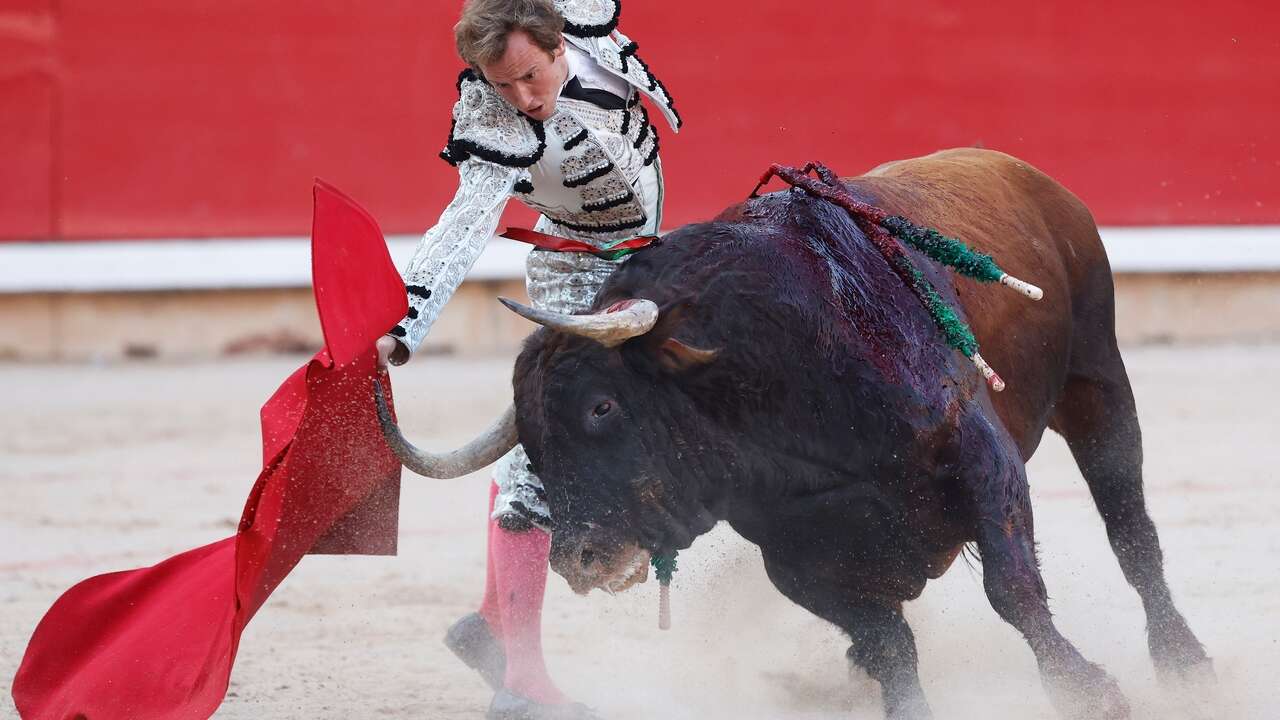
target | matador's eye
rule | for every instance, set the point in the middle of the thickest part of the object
(602, 409)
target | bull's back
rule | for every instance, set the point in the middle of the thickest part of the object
(1037, 231)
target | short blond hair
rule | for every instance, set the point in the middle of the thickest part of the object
(481, 32)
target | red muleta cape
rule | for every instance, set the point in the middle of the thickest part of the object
(159, 642)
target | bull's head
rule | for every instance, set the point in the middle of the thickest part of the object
(649, 420)
(614, 437)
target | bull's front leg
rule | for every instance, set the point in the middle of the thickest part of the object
(884, 647)
(882, 643)
(995, 480)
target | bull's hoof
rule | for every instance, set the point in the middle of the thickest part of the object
(1087, 694)
(1194, 689)
(1179, 657)
(472, 641)
(914, 708)
(507, 705)
(1199, 674)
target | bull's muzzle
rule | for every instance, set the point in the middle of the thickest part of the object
(590, 560)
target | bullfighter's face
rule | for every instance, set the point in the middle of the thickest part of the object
(528, 77)
(620, 450)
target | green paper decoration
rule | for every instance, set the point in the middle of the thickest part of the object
(955, 330)
(948, 251)
(664, 566)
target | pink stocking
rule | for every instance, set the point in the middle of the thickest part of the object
(489, 609)
(520, 562)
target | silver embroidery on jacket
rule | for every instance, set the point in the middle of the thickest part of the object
(609, 192)
(488, 127)
(588, 12)
(449, 249)
(580, 169)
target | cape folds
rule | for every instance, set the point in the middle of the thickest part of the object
(158, 643)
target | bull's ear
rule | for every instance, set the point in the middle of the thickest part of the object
(675, 356)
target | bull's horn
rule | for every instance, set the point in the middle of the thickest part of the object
(492, 444)
(620, 322)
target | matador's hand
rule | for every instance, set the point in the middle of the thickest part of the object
(390, 351)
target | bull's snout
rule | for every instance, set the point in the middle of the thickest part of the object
(590, 560)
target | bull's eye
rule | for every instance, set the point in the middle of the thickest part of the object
(602, 409)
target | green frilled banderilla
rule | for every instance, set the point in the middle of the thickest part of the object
(888, 232)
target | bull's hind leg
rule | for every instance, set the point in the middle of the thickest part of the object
(1098, 418)
(993, 476)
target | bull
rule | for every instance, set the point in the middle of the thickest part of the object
(769, 369)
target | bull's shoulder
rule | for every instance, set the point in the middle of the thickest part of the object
(952, 158)
(975, 175)
(993, 201)
(1036, 230)
(990, 188)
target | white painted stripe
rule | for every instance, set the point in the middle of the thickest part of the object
(1193, 248)
(139, 265)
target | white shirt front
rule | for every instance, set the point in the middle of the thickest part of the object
(591, 75)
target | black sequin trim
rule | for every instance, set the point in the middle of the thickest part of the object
(459, 150)
(514, 522)
(523, 186)
(656, 84)
(616, 227)
(421, 291)
(671, 103)
(644, 133)
(445, 154)
(576, 140)
(653, 154)
(466, 74)
(597, 173)
(536, 518)
(653, 81)
(626, 118)
(607, 204)
(626, 52)
(586, 31)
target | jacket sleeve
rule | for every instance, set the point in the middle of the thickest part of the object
(449, 249)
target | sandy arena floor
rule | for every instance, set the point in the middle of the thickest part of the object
(114, 467)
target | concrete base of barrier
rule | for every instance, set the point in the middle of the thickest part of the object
(199, 324)
(179, 325)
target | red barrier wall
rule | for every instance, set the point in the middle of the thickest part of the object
(165, 118)
(28, 81)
